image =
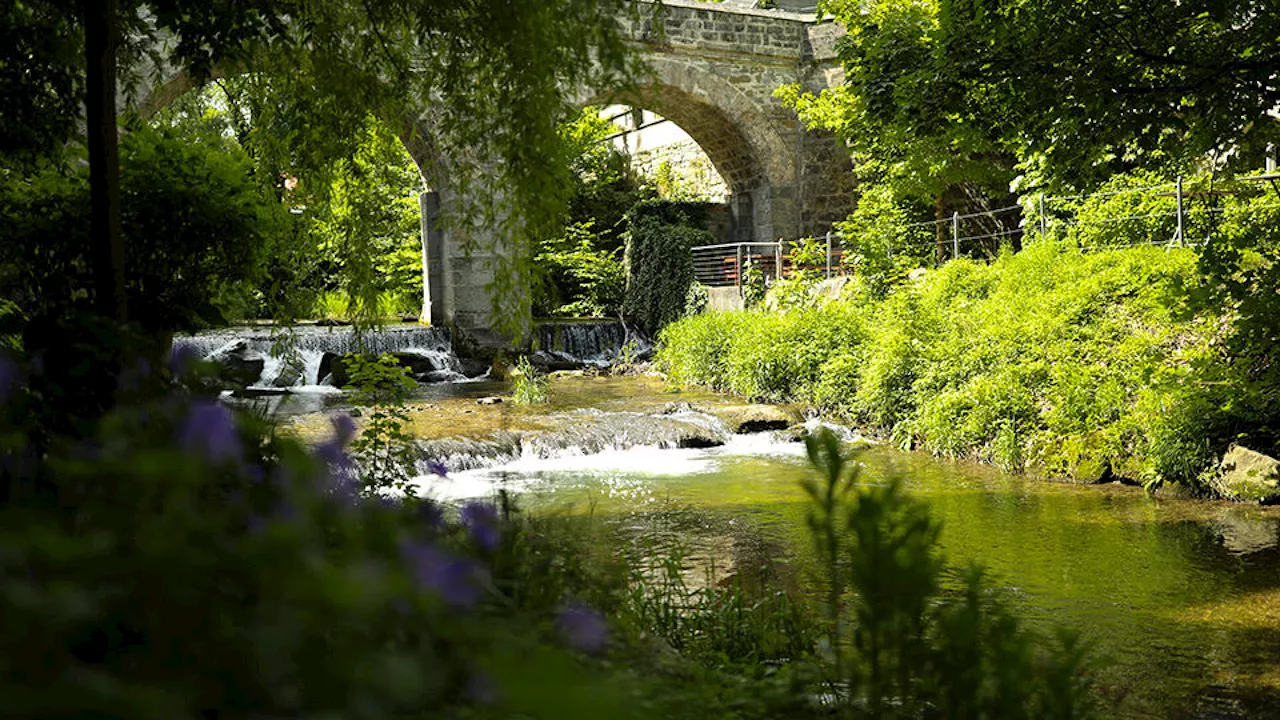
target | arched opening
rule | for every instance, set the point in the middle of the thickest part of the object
(699, 128)
(354, 249)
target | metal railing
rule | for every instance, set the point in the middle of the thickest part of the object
(1175, 214)
(725, 264)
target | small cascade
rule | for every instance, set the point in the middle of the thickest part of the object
(579, 433)
(590, 342)
(296, 357)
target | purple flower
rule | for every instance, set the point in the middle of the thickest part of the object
(481, 520)
(583, 628)
(182, 358)
(344, 428)
(9, 377)
(456, 580)
(435, 467)
(211, 431)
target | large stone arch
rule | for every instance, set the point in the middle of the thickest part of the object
(730, 127)
(714, 68)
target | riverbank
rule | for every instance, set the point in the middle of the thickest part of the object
(1180, 597)
(1091, 367)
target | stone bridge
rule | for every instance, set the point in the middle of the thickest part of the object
(714, 69)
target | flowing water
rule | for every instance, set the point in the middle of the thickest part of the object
(1180, 598)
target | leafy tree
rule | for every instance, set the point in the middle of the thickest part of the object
(578, 267)
(494, 73)
(195, 222)
(906, 114)
(1090, 88)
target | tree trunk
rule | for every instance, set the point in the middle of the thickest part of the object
(102, 36)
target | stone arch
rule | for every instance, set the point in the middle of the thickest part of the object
(167, 86)
(735, 132)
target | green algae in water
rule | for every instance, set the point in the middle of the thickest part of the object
(1181, 599)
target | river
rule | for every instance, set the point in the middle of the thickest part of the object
(1180, 598)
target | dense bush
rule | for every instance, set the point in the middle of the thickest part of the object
(658, 262)
(577, 269)
(1085, 365)
(195, 222)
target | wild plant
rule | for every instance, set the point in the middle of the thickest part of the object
(900, 648)
(384, 452)
(531, 386)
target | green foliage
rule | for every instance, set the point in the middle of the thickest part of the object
(195, 222)
(369, 229)
(579, 279)
(577, 268)
(531, 386)
(902, 107)
(1083, 365)
(880, 243)
(905, 647)
(712, 624)
(808, 266)
(696, 300)
(385, 453)
(753, 284)
(659, 264)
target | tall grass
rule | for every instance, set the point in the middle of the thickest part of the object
(1081, 365)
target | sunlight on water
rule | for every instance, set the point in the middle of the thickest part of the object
(1180, 598)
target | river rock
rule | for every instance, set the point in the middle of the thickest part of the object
(1247, 476)
(334, 367)
(552, 360)
(473, 367)
(290, 373)
(417, 363)
(756, 418)
(491, 400)
(242, 365)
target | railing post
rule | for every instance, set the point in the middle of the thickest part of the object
(1044, 221)
(828, 254)
(955, 235)
(1180, 223)
(737, 270)
(777, 261)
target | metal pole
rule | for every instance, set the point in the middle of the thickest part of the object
(1180, 211)
(777, 261)
(738, 268)
(1044, 222)
(828, 254)
(955, 235)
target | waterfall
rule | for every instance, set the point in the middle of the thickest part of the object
(302, 349)
(592, 342)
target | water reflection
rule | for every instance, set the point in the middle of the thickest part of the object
(1181, 598)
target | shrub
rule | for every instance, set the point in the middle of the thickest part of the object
(1082, 365)
(531, 386)
(194, 221)
(697, 299)
(384, 451)
(659, 264)
(580, 280)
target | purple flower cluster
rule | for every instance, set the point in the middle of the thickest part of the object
(583, 628)
(210, 432)
(481, 521)
(458, 581)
